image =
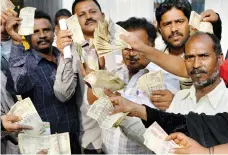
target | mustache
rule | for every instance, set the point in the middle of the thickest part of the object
(42, 40)
(198, 71)
(132, 58)
(89, 20)
(176, 33)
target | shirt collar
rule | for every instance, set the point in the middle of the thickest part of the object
(212, 96)
(38, 57)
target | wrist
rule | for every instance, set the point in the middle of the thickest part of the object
(139, 111)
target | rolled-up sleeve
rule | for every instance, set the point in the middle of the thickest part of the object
(66, 79)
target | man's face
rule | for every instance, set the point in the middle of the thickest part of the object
(43, 35)
(174, 28)
(88, 15)
(136, 60)
(201, 61)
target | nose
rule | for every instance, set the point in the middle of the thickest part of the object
(173, 27)
(196, 63)
(132, 52)
(42, 34)
(88, 15)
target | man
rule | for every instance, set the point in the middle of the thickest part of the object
(61, 14)
(208, 94)
(33, 73)
(135, 65)
(173, 17)
(69, 80)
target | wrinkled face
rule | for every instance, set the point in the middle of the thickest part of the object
(201, 61)
(57, 27)
(88, 15)
(174, 28)
(43, 34)
(136, 60)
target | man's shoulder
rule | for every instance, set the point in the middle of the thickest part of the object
(182, 94)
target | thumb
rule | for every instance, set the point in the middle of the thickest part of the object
(13, 118)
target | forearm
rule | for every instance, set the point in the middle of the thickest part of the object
(66, 80)
(90, 96)
(165, 61)
(221, 149)
(168, 121)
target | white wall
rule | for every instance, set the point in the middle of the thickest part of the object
(220, 6)
(120, 10)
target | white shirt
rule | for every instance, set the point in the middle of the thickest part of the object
(214, 102)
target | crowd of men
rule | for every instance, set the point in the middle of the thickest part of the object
(194, 101)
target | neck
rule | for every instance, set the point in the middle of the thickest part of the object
(200, 92)
(132, 73)
(176, 51)
(87, 37)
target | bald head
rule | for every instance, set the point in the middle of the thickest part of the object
(206, 38)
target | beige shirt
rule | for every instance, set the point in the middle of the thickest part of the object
(214, 102)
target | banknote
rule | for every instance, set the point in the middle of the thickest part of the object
(104, 79)
(26, 110)
(99, 111)
(107, 37)
(196, 23)
(154, 139)
(151, 81)
(26, 26)
(55, 144)
(6, 4)
(74, 26)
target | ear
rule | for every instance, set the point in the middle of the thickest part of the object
(220, 60)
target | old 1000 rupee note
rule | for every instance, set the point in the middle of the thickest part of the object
(155, 140)
(151, 81)
(55, 144)
(99, 111)
(26, 110)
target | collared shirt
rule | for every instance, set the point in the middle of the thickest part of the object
(214, 102)
(69, 81)
(114, 139)
(34, 77)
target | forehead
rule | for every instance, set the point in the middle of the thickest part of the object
(42, 23)
(199, 44)
(141, 34)
(85, 6)
(173, 14)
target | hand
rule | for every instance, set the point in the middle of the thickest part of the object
(209, 16)
(4, 16)
(63, 39)
(134, 42)
(161, 99)
(44, 151)
(8, 122)
(110, 93)
(11, 28)
(189, 146)
(121, 104)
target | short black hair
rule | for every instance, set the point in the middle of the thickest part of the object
(167, 5)
(62, 12)
(40, 14)
(140, 23)
(77, 1)
(216, 42)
